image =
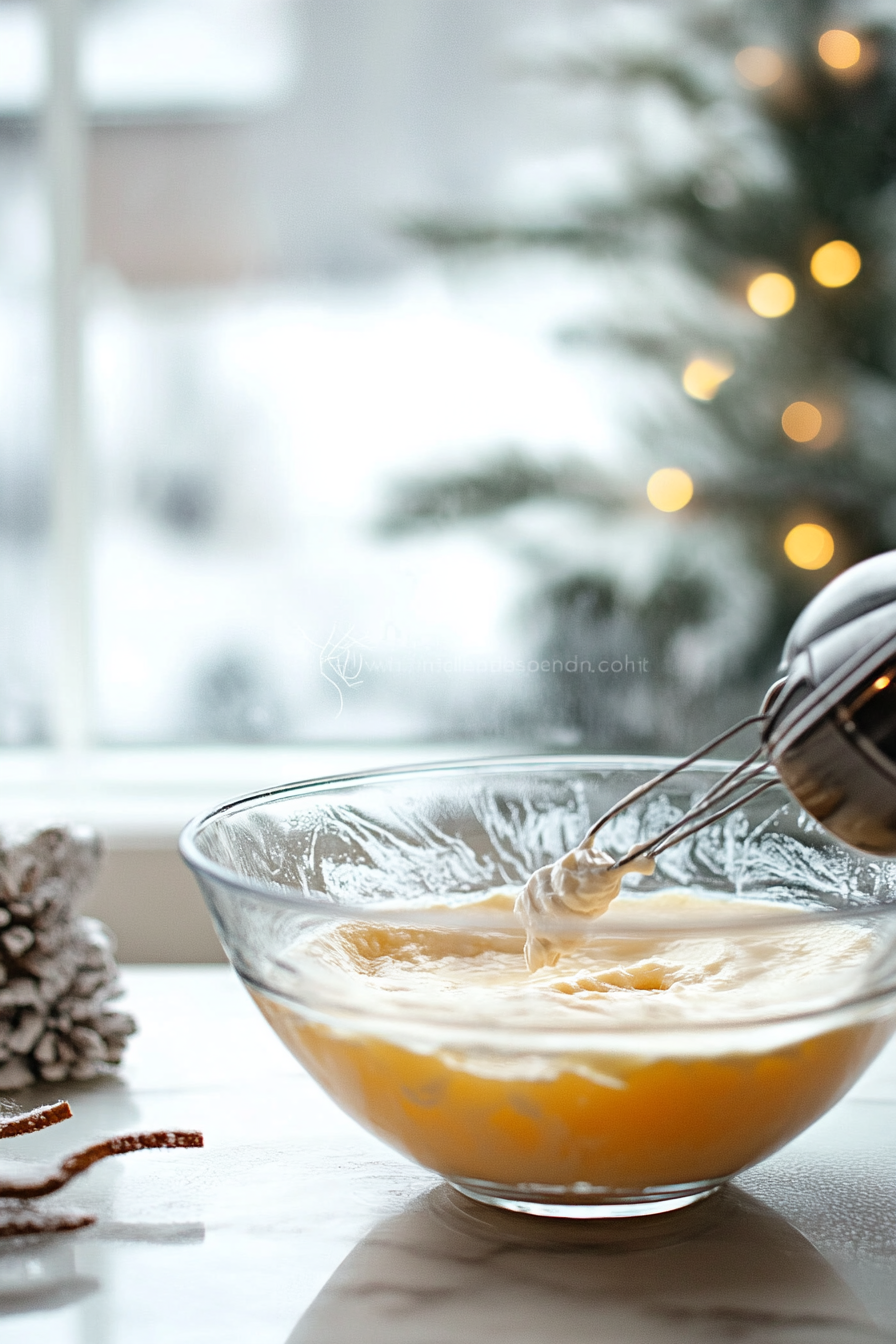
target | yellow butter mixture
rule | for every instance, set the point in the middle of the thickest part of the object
(679, 1038)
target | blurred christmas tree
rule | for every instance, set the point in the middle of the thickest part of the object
(740, 220)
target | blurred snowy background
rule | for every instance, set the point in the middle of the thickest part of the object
(348, 483)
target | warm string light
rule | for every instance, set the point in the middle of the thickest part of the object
(703, 377)
(670, 489)
(817, 424)
(882, 683)
(802, 421)
(835, 264)
(809, 546)
(771, 294)
(839, 49)
(759, 67)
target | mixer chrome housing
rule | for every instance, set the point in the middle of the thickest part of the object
(831, 721)
(828, 726)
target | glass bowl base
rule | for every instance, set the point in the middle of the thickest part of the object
(582, 1201)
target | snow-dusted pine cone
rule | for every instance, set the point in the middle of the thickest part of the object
(57, 968)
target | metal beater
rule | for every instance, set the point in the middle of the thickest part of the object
(828, 726)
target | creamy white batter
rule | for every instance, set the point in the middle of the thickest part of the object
(580, 884)
(649, 958)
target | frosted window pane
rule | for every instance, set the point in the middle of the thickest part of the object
(24, 391)
(270, 356)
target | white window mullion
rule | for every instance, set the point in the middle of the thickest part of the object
(65, 159)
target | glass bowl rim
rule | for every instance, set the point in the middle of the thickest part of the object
(293, 898)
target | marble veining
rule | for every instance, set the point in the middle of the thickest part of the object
(733, 1269)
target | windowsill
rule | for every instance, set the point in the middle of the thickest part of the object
(143, 797)
(140, 799)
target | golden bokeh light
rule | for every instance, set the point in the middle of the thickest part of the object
(703, 377)
(669, 489)
(839, 49)
(759, 67)
(835, 264)
(809, 546)
(802, 421)
(882, 683)
(771, 294)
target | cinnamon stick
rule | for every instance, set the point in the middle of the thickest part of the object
(80, 1161)
(24, 1222)
(30, 1121)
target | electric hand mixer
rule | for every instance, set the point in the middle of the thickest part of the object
(828, 726)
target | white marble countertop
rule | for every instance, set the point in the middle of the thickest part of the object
(293, 1225)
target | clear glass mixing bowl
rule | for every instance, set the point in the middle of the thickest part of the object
(357, 912)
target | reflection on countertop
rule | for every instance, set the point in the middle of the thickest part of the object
(448, 1269)
(41, 1274)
